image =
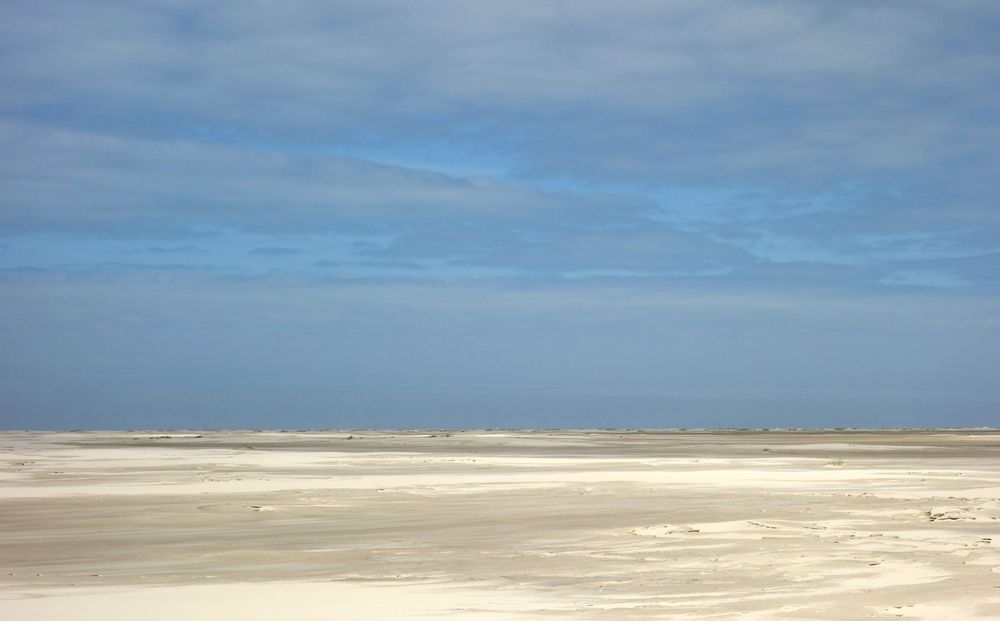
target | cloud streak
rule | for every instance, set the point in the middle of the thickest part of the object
(650, 91)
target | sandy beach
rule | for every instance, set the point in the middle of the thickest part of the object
(498, 525)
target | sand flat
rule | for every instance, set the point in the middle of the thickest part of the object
(500, 525)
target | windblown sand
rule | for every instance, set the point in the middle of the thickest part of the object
(491, 526)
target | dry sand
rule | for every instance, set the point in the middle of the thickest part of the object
(495, 526)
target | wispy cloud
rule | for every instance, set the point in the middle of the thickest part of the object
(274, 251)
(647, 91)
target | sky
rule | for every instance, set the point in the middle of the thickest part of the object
(383, 213)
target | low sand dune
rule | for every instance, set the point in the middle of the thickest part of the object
(488, 525)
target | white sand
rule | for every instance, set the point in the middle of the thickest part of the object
(480, 525)
(302, 601)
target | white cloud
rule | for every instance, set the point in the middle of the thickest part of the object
(642, 90)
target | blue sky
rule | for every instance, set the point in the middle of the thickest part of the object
(587, 214)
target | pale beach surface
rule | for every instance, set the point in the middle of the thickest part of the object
(481, 525)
